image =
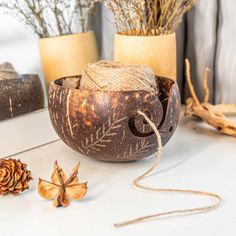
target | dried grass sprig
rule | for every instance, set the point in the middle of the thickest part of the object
(148, 17)
(50, 18)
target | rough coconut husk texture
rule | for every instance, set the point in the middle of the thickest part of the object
(213, 115)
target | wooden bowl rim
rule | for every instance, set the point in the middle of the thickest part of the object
(22, 77)
(56, 84)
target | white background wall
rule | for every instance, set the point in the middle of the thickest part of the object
(18, 46)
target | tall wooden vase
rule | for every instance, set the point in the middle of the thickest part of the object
(67, 55)
(158, 52)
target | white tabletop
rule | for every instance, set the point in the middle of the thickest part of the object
(197, 157)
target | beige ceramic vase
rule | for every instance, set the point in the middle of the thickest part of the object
(67, 55)
(158, 52)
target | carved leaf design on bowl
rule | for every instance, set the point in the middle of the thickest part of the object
(136, 150)
(103, 135)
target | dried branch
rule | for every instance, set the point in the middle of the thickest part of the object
(191, 88)
(207, 91)
(49, 18)
(148, 17)
(229, 109)
(213, 115)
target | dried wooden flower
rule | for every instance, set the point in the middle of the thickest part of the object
(213, 115)
(61, 188)
(14, 177)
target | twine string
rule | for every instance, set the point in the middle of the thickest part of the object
(136, 183)
(114, 76)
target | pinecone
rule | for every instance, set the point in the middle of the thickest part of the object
(14, 177)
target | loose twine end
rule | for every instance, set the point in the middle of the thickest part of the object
(179, 212)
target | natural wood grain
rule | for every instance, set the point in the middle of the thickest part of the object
(158, 52)
(67, 55)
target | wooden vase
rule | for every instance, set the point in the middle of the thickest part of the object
(158, 52)
(67, 55)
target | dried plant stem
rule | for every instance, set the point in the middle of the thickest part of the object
(50, 18)
(151, 17)
(191, 88)
(207, 91)
(137, 184)
(213, 115)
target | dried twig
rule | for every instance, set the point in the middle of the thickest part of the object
(48, 18)
(148, 17)
(213, 115)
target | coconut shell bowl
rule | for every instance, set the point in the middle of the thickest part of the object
(106, 126)
(20, 95)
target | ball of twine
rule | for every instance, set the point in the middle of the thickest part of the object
(7, 71)
(114, 76)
